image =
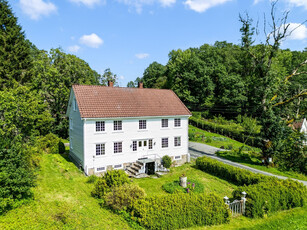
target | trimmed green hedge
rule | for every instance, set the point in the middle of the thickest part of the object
(233, 131)
(180, 211)
(264, 194)
(271, 196)
(227, 172)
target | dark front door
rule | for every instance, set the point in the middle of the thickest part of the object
(150, 168)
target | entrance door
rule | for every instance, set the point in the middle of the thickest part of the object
(142, 147)
(150, 168)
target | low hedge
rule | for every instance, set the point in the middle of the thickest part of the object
(271, 196)
(234, 132)
(227, 172)
(180, 211)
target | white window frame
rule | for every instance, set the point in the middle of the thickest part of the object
(102, 170)
(176, 141)
(150, 144)
(163, 139)
(177, 158)
(134, 146)
(164, 123)
(177, 122)
(118, 148)
(142, 124)
(74, 104)
(120, 166)
(102, 126)
(118, 125)
(102, 149)
(71, 124)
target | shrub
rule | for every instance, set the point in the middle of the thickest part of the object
(271, 196)
(122, 197)
(166, 161)
(61, 147)
(193, 185)
(92, 179)
(110, 179)
(180, 211)
(49, 143)
(232, 174)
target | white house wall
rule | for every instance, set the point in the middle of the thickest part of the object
(75, 133)
(130, 131)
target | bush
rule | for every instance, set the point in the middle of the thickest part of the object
(232, 174)
(92, 179)
(49, 143)
(193, 185)
(61, 147)
(180, 211)
(271, 196)
(166, 161)
(122, 197)
(110, 179)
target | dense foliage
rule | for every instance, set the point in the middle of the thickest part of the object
(264, 194)
(112, 178)
(271, 196)
(227, 172)
(180, 211)
(122, 197)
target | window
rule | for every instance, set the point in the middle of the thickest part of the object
(71, 123)
(140, 143)
(177, 157)
(142, 124)
(101, 169)
(100, 149)
(134, 146)
(164, 142)
(164, 123)
(177, 122)
(177, 141)
(100, 126)
(150, 144)
(118, 166)
(145, 143)
(75, 104)
(117, 125)
(118, 147)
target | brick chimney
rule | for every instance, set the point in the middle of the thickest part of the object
(140, 85)
(110, 83)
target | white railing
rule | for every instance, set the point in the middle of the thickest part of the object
(237, 207)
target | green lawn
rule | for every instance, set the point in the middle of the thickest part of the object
(214, 139)
(62, 200)
(153, 186)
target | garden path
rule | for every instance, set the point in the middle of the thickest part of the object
(198, 150)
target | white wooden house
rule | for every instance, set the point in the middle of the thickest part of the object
(126, 128)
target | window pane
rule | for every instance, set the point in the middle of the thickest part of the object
(150, 144)
(164, 142)
(164, 123)
(145, 143)
(142, 124)
(177, 122)
(117, 125)
(140, 143)
(118, 147)
(134, 146)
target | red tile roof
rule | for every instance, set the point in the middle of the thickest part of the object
(102, 101)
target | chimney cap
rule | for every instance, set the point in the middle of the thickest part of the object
(110, 83)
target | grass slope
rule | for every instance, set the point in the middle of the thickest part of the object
(61, 201)
(216, 140)
(211, 184)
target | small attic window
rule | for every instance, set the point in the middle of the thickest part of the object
(74, 104)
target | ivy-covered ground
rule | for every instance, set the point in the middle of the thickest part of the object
(62, 200)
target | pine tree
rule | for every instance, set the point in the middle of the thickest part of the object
(15, 56)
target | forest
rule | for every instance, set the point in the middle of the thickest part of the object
(260, 81)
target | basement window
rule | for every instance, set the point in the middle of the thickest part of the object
(118, 166)
(101, 169)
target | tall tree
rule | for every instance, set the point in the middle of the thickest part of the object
(154, 76)
(15, 57)
(108, 76)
